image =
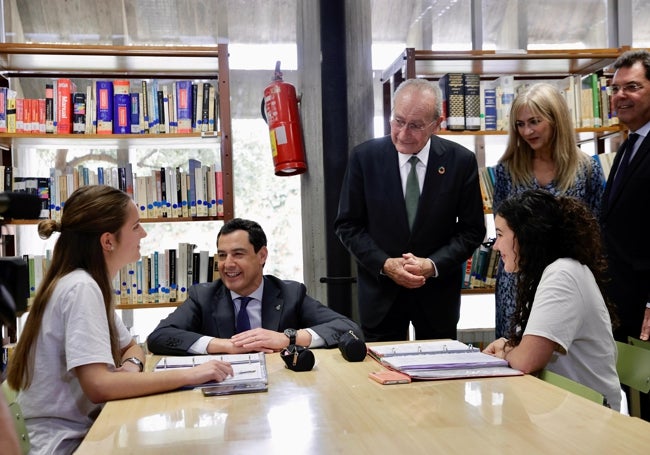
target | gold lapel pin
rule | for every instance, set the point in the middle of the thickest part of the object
(441, 170)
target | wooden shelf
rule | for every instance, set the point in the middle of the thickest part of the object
(11, 140)
(600, 131)
(68, 60)
(492, 64)
(28, 61)
(476, 291)
(140, 306)
(142, 220)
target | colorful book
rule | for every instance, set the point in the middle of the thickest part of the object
(79, 113)
(49, 108)
(64, 90)
(3, 109)
(453, 89)
(104, 100)
(121, 107)
(135, 112)
(184, 106)
(472, 89)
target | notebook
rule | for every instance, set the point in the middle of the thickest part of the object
(446, 359)
(248, 368)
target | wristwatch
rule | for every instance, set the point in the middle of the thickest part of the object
(135, 361)
(291, 334)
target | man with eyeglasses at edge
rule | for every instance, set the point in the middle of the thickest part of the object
(411, 269)
(625, 213)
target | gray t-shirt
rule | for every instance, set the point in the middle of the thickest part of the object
(569, 310)
(74, 332)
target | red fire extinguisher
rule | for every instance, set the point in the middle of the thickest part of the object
(280, 110)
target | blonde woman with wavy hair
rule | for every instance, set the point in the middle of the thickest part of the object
(541, 154)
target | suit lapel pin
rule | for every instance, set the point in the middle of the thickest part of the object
(277, 307)
(441, 170)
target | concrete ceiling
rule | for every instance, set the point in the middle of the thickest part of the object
(206, 22)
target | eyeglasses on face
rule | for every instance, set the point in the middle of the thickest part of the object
(632, 87)
(398, 124)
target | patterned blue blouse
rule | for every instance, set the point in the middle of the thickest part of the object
(589, 187)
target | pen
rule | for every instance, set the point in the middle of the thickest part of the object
(247, 371)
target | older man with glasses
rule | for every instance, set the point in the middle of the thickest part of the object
(410, 212)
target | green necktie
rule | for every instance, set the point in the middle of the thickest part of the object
(412, 194)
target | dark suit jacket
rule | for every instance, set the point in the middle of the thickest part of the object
(449, 225)
(625, 221)
(209, 311)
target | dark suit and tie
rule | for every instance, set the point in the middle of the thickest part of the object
(267, 313)
(625, 221)
(373, 225)
(209, 310)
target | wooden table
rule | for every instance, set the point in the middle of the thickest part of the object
(336, 408)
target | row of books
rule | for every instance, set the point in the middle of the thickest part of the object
(487, 178)
(171, 192)
(472, 104)
(113, 107)
(161, 277)
(480, 269)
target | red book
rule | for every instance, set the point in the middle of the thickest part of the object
(27, 115)
(64, 90)
(20, 125)
(41, 115)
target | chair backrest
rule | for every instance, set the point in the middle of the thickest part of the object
(640, 343)
(16, 412)
(633, 366)
(571, 386)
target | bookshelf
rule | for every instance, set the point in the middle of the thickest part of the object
(25, 66)
(94, 62)
(532, 65)
(523, 65)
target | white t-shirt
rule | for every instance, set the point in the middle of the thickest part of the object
(74, 332)
(569, 310)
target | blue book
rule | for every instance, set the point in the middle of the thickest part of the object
(104, 101)
(193, 165)
(121, 114)
(184, 106)
(135, 112)
(490, 100)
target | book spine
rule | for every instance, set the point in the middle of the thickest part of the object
(173, 284)
(121, 107)
(455, 90)
(11, 111)
(162, 120)
(595, 99)
(145, 108)
(490, 109)
(195, 91)
(20, 108)
(64, 89)
(205, 107)
(135, 112)
(79, 113)
(3, 109)
(41, 116)
(471, 86)
(49, 108)
(104, 107)
(184, 106)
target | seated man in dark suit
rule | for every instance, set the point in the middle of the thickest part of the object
(275, 312)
